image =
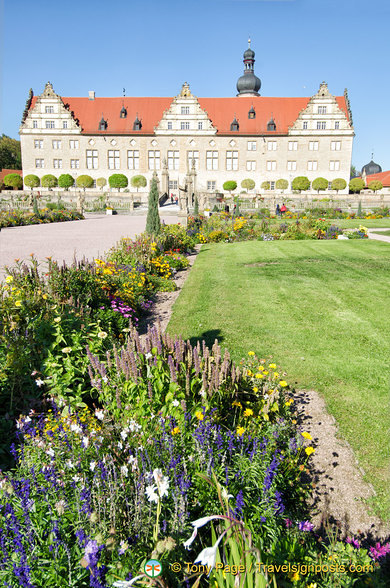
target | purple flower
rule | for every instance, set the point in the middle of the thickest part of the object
(353, 542)
(288, 523)
(91, 553)
(379, 550)
(305, 526)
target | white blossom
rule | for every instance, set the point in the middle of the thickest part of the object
(151, 493)
(39, 382)
(92, 465)
(124, 470)
(175, 403)
(99, 414)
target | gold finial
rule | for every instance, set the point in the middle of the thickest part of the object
(249, 42)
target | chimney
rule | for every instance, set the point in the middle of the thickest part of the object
(91, 94)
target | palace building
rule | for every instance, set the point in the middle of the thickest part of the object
(186, 138)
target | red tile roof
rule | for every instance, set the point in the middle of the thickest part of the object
(221, 112)
(383, 177)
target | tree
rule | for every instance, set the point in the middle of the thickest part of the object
(153, 223)
(84, 182)
(338, 184)
(356, 184)
(10, 153)
(32, 181)
(281, 184)
(101, 182)
(138, 182)
(375, 185)
(266, 185)
(229, 186)
(118, 181)
(300, 183)
(66, 181)
(196, 207)
(353, 173)
(248, 184)
(49, 181)
(13, 180)
(319, 184)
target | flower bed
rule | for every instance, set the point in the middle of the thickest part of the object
(18, 218)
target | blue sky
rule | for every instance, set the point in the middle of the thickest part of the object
(151, 47)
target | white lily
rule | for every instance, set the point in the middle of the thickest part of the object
(125, 583)
(197, 524)
(208, 556)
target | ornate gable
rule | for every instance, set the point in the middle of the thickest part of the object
(185, 117)
(48, 114)
(322, 115)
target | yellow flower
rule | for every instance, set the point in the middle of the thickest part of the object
(288, 403)
(9, 279)
(294, 577)
(235, 403)
(248, 412)
(307, 436)
(309, 450)
(240, 431)
(265, 416)
(251, 353)
(250, 373)
(255, 389)
(199, 415)
(44, 296)
(272, 366)
(258, 376)
(175, 431)
(283, 383)
(18, 303)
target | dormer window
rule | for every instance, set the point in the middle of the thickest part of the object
(102, 124)
(123, 112)
(271, 126)
(137, 125)
(252, 113)
(234, 125)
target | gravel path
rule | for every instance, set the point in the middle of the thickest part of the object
(89, 238)
(377, 237)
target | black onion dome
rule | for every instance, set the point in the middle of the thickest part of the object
(371, 168)
(249, 54)
(248, 83)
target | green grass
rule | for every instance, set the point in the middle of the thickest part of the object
(321, 309)
(385, 233)
(350, 223)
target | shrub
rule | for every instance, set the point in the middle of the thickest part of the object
(13, 180)
(84, 182)
(248, 184)
(32, 181)
(49, 181)
(319, 184)
(138, 182)
(153, 223)
(356, 185)
(375, 185)
(230, 185)
(65, 181)
(118, 181)
(281, 184)
(300, 183)
(266, 185)
(101, 182)
(339, 184)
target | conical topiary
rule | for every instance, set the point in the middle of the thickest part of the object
(196, 207)
(153, 223)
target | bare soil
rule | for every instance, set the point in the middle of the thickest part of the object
(340, 492)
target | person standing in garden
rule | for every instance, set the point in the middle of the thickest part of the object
(283, 209)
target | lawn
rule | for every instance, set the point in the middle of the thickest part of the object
(349, 223)
(321, 310)
(385, 233)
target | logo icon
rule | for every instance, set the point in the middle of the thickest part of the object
(153, 568)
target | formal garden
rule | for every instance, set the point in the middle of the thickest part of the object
(118, 447)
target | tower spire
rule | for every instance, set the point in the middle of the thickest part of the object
(249, 84)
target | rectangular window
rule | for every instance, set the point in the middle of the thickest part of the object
(322, 110)
(321, 125)
(74, 163)
(172, 185)
(185, 110)
(56, 144)
(64, 124)
(304, 126)
(211, 185)
(57, 163)
(251, 165)
(271, 145)
(212, 160)
(38, 144)
(50, 124)
(272, 185)
(169, 126)
(252, 145)
(114, 161)
(200, 125)
(49, 109)
(193, 156)
(312, 165)
(293, 145)
(337, 125)
(35, 124)
(329, 185)
(133, 159)
(173, 160)
(40, 163)
(334, 165)
(271, 165)
(291, 165)
(154, 159)
(335, 145)
(73, 144)
(92, 159)
(184, 126)
(231, 160)
(313, 145)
